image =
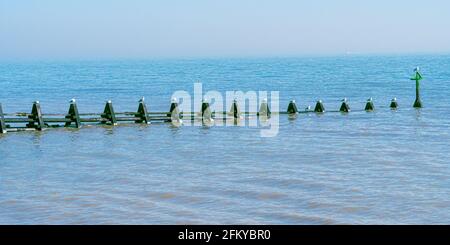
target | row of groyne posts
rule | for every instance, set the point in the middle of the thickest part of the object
(36, 120)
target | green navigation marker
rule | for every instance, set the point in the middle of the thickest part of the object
(417, 78)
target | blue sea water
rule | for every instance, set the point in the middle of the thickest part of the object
(385, 167)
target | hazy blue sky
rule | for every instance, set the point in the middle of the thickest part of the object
(182, 28)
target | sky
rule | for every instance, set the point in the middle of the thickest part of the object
(46, 29)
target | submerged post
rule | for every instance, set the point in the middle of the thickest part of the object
(394, 104)
(344, 107)
(109, 114)
(36, 116)
(264, 110)
(2, 121)
(142, 112)
(73, 115)
(369, 105)
(235, 110)
(319, 107)
(417, 78)
(174, 112)
(292, 107)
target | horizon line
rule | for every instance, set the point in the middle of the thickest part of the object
(205, 57)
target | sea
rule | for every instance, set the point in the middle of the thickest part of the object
(381, 167)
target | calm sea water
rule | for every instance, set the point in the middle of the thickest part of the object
(386, 167)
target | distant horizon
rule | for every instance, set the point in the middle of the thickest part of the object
(294, 56)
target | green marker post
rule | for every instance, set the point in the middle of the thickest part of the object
(417, 78)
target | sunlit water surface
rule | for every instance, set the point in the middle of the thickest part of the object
(385, 167)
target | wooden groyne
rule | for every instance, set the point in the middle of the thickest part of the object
(37, 120)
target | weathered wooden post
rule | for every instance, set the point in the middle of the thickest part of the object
(73, 114)
(36, 116)
(417, 78)
(319, 107)
(264, 110)
(292, 107)
(206, 112)
(142, 112)
(369, 105)
(174, 112)
(2, 121)
(235, 110)
(344, 107)
(109, 114)
(394, 104)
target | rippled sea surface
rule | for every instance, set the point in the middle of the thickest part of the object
(385, 167)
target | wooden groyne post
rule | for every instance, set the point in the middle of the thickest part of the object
(142, 112)
(37, 121)
(264, 110)
(108, 114)
(344, 107)
(394, 104)
(292, 108)
(369, 105)
(73, 115)
(206, 112)
(174, 113)
(2, 121)
(235, 110)
(319, 107)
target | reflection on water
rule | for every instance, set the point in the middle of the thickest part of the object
(385, 167)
